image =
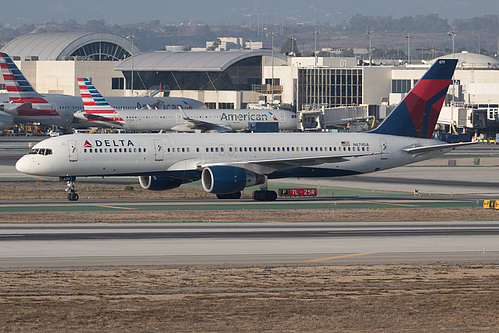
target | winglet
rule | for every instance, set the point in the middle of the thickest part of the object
(184, 116)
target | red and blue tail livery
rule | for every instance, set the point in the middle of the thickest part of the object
(22, 92)
(417, 114)
(96, 107)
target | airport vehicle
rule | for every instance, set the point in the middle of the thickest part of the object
(99, 112)
(226, 163)
(27, 105)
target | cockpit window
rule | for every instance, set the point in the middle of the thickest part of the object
(40, 151)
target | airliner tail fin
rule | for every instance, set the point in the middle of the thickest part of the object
(417, 114)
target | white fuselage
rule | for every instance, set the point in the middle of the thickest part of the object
(216, 119)
(180, 155)
(60, 109)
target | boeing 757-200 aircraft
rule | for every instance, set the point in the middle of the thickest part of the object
(100, 113)
(27, 105)
(226, 163)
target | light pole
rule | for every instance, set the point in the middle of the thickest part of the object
(408, 48)
(272, 34)
(370, 33)
(453, 34)
(422, 53)
(316, 32)
(132, 37)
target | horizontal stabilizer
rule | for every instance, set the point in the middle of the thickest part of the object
(425, 149)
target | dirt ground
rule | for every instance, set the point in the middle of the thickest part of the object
(388, 298)
(357, 298)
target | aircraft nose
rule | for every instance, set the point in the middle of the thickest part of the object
(23, 164)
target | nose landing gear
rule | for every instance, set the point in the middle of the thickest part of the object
(70, 182)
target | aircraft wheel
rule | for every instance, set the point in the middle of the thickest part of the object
(271, 195)
(73, 196)
(264, 195)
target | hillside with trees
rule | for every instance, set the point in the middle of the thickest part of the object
(427, 34)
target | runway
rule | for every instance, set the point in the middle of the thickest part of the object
(53, 246)
(48, 246)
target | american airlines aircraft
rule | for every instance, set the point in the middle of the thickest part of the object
(226, 163)
(99, 112)
(27, 105)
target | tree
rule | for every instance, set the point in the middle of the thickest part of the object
(395, 54)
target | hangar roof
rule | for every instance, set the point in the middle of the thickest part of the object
(208, 61)
(61, 46)
(471, 60)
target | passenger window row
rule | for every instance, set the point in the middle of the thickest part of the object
(114, 150)
(231, 149)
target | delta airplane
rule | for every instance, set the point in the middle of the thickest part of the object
(226, 163)
(100, 113)
(27, 105)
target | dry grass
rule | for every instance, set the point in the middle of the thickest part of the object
(392, 298)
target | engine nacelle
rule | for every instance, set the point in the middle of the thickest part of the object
(226, 180)
(6, 120)
(159, 183)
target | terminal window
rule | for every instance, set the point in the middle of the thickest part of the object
(401, 86)
(118, 83)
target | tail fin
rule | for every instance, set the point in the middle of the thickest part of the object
(417, 114)
(93, 102)
(18, 87)
(96, 107)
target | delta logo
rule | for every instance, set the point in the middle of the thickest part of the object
(109, 143)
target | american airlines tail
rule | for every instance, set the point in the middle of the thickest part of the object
(22, 92)
(17, 85)
(96, 107)
(417, 115)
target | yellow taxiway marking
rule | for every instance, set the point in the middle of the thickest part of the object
(115, 207)
(40, 178)
(345, 256)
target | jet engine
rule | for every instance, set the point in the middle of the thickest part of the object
(227, 180)
(159, 183)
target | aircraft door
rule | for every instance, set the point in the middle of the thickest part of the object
(73, 151)
(179, 117)
(158, 150)
(282, 117)
(385, 150)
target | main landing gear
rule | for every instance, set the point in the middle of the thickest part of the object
(264, 195)
(70, 182)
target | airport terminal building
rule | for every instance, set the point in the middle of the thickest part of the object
(324, 91)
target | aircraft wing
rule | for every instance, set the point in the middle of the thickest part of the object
(425, 149)
(101, 120)
(267, 166)
(193, 124)
(13, 109)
